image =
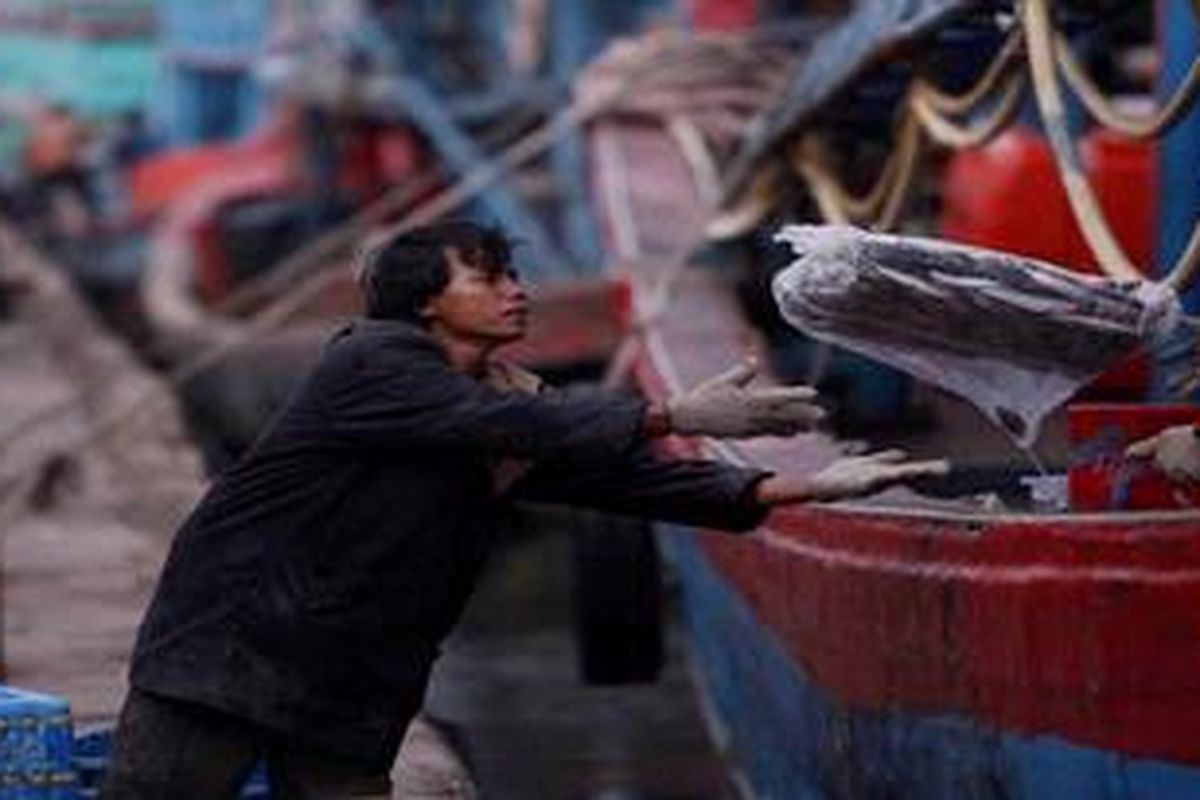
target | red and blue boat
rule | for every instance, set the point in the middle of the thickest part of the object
(907, 646)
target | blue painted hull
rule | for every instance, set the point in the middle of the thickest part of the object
(794, 741)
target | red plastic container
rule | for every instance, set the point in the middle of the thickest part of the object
(1007, 195)
(1101, 478)
(723, 15)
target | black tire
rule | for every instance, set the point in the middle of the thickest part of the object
(228, 404)
(618, 601)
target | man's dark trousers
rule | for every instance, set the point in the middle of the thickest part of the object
(173, 749)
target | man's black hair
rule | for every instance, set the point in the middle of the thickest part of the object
(400, 275)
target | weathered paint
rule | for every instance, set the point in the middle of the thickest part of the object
(797, 738)
(1088, 632)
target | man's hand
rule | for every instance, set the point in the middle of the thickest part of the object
(726, 407)
(1176, 452)
(850, 476)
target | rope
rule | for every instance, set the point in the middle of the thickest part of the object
(754, 204)
(909, 148)
(1035, 17)
(928, 110)
(811, 161)
(882, 204)
(1107, 114)
(949, 133)
(962, 104)
(699, 158)
(822, 185)
(931, 111)
(1187, 265)
(932, 106)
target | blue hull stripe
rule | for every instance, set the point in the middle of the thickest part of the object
(796, 742)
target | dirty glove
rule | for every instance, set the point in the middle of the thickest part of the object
(849, 476)
(1176, 452)
(726, 407)
(855, 476)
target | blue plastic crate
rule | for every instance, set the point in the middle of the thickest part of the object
(92, 749)
(35, 747)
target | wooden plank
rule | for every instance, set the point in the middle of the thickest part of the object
(85, 528)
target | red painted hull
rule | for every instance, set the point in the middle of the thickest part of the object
(1084, 627)
(1088, 630)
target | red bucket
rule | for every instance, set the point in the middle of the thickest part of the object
(1101, 478)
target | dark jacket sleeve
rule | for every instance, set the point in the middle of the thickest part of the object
(399, 391)
(707, 494)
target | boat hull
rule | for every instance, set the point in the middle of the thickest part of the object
(795, 738)
(900, 648)
(904, 647)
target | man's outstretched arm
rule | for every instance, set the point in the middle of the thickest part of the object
(710, 494)
(846, 478)
(728, 407)
(399, 390)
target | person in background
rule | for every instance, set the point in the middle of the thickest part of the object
(56, 170)
(122, 145)
(303, 603)
(132, 139)
(1175, 450)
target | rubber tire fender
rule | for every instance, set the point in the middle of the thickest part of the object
(618, 600)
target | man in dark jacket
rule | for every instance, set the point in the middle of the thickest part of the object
(302, 605)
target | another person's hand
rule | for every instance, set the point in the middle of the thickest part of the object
(1175, 450)
(727, 407)
(848, 477)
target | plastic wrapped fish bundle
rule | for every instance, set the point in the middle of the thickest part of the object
(1014, 336)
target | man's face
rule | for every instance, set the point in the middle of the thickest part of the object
(480, 304)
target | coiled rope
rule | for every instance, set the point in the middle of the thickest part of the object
(1006, 60)
(950, 133)
(991, 103)
(1039, 36)
(880, 207)
(1111, 117)
(973, 117)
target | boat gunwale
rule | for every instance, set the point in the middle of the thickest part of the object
(656, 356)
